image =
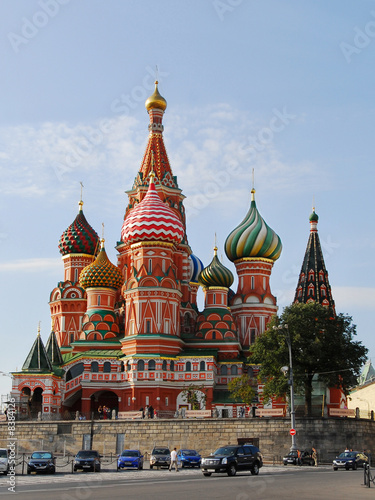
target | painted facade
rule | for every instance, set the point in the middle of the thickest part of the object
(130, 335)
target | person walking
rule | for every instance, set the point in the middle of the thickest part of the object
(174, 460)
(315, 457)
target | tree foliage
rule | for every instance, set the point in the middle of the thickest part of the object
(195, 395)
(242, 389)
(323, 345)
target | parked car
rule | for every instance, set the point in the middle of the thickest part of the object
(41, 461)
(4, 461)
(189, 458)
(130, 458)
(233, 458)
(87, 460)
(350, 460)
(292, 458)
(160, 456)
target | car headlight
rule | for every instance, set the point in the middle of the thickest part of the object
(152, 458)
(224, 461)
(203, 461)
(76, 461)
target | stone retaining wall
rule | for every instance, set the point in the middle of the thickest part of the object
(328, 436)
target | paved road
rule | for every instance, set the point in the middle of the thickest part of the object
(273, 482)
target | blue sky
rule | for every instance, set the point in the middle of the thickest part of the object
(285, 88)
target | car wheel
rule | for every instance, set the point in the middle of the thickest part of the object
(29, 471)
(347, 467)
(207, 474)
(354, 466)
(151, 466)
(255, 470)
(232, 470)
(53, 471)
(335, 468)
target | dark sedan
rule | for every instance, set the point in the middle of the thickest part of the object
(292, 458)
(41, 461)
(87, 460)
(349, 460)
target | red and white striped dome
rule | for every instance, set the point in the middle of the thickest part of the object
(152, 220)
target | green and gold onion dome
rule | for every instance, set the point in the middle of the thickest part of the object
(156, 100)
(101, 273)
(253, 238)
(215, 274)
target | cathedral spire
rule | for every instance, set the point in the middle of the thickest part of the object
(313, 284)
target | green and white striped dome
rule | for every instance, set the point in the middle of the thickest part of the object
(253, 238)
(215, 274)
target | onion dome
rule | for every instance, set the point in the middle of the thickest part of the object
(152, 220)
(156, 100)
(253, 237)
(79, 237)
(101, 273)
(314, 217)
(216, 274)
(196, 267)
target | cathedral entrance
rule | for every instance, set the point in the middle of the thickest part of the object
(103, 403)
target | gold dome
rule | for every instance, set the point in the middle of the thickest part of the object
(156, 100)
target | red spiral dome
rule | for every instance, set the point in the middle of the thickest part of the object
(152, 220)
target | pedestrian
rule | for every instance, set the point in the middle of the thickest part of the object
(100, 411)
(299, 460)
(315, 457)
(151, 411)
(147, 412)
(173, 459)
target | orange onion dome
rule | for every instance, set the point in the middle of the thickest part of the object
(152, 220)
(101, 273)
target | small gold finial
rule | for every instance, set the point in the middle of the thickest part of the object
(102, 240)
(38, 334)
(80, 204)
(252, 188)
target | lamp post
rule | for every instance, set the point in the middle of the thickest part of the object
(291, 384)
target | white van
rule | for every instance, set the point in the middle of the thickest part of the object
(4, 463)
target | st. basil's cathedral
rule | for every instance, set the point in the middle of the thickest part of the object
(129, 335)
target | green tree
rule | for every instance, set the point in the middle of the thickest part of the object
(322, 344)
(242, 389)
(195, 395)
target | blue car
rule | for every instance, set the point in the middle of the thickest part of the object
(130, 458)
(189, 458)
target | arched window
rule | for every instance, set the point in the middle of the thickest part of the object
(74, 371)
(149, 266)
(94, 367)
(151, 364)
(252, 283)
(188, 366)
(122, 366)
(128, 367)
(75, 274)
(164, 367)
(187, 319)
(107, 367)
(171, 366)
(202, 366)
(140, 365)
(233, 370)
(99, 298)
(224, 370)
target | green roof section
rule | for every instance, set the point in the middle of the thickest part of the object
(223, 397)
(94, 353)
(37, 359)
(53, 350)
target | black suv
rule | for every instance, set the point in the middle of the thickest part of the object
(231, 459)
(87, 460)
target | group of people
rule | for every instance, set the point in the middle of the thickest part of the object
(104, 412)
(147, 412)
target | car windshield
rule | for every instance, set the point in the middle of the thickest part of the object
(348, 454)
(3, 454)
(191, 453)
(226, 450)
(87, 454)
(161, 451)
(41, 454)
(129, 453)
(292, 454)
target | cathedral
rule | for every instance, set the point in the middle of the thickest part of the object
(130, 334)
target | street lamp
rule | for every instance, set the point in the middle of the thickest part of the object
(291, 384)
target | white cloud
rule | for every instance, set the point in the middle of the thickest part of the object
(31, 265)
